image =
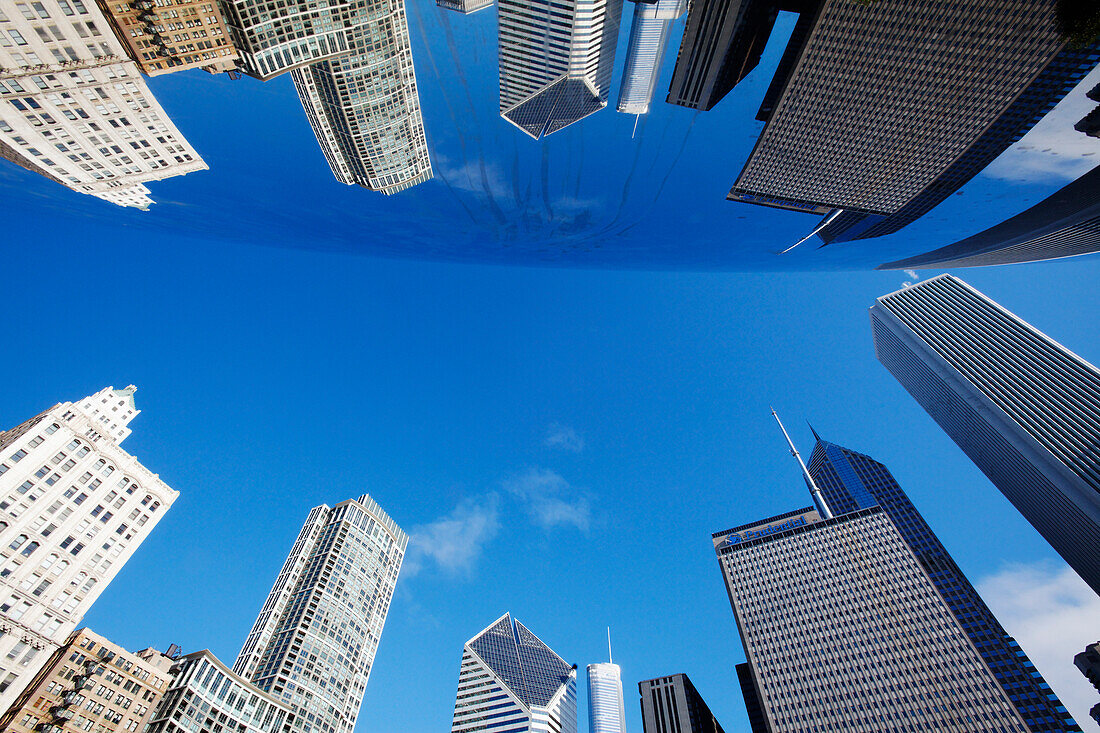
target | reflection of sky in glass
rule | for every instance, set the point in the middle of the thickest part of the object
(587, 195)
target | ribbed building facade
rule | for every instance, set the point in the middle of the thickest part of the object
(840, 133)
(1024, 408)
(74, 506)
(465, 6)
(850, 481)
(313, 644)
(673, 705)
(274, 38)
(555, 60)
(511, 682)
(650, 29)
(606, 712)
(364, 107)
(75, 109)
(843, 630)
(1065, 224)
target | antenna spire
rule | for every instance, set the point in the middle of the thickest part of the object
(609, 660)
(819, 500)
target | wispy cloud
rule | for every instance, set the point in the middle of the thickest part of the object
(550, 500)
(455, 542)
(564, 437)
(1053, 614)
(1053, 150)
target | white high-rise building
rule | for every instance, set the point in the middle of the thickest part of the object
(73, 508)
(75, 108)
(313, 644)
(364, 107)
(555, 60)
(606, 713)
(511, 682)
(649, 33)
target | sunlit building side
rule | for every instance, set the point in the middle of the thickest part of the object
(364, 107)
(163, 36)
(606, 711)
(274, 38)
(75, 109)
(650, 29)
(555, 60)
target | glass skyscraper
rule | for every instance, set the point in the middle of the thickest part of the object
(511, 682)
(314, 642)
(1024, 408)
(606, 713)
(851, 481)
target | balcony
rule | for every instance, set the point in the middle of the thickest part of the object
(61, 713)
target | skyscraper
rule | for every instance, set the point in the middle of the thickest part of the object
(555, 60)
(959, 73)
(364, 108)
(511, 682)
(1065, 224)
(649, 32)
(274, 38)
(172, 35)
(606, 713)
(314, 642)
(75, 109)
(850, 481)
(1025, 409)
(1088, 662)
(465, 6)
(673, 705)
(843, 630)
(73, 508)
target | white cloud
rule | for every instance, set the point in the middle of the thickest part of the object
(454, 542)
(1053, 614)
(564, 437)
(550, 499)
(1053, 150)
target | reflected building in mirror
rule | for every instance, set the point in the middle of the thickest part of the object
(1065, 224)
(555, 60)
(878, 135)
(163, 36)
(649, 31)
(364, 107)
(464, 6)
(75, 108)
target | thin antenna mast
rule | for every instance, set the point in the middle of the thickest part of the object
(609, 645)
(824, 222)
(819, 500)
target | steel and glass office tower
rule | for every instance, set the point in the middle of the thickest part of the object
(555, 60)
(673, 705)
(844, 630)
(606, 713)
(649, 31)
(314, 642)
(364, 107)
(511, 682)
(1024, 408)
(850, 481)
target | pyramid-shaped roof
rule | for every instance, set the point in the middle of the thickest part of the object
(530, 669)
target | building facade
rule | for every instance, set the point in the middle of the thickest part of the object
(364, 107)
(1025, 409)
(90, 684)
(465, 6)
(74, 506)
(204, 695)
(850, 481)
(673, 705)
(832, 138)
(1065, 224)
(1088, 662)
(843, 630)
(606, 713)
(555, 60)
(75, 109)
(511, 682)
(172, 35)
(274, 38)
(314, 642)
(650, 29)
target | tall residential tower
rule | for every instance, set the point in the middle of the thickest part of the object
(1024, 408)
(511, 682)
(314, 642)
(74, 506)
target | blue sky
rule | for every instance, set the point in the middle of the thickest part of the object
(560, 442)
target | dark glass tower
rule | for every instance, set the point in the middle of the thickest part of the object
(851, 481)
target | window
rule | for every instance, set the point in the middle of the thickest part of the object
(18, 456)
(30, 548)
(18, 542)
